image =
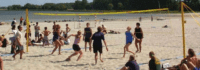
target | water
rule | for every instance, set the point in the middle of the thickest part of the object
(7, 16)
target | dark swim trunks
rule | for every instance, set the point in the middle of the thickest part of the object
(76, 47)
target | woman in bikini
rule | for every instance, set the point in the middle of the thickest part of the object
(139, 34)
(56, 36)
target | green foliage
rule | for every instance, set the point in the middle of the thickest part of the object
(110, 5)
(120, 6)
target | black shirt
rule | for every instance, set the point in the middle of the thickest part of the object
(154, 64)
(87, 33)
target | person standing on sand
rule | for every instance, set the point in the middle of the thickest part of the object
(13, 46)
(129, 40)
(139, 34)
(56, 36)
(76, 47)
(87, 35)
(154, 63)
(46, 34)
(21, 19)
(65, 34)
(19, 42)
(37, 29)
(13, 22)
(54, 26)
(131, 64)
(104, 29)
(97, 44)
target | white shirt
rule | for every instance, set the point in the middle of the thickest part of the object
(15, 32)
(19, 36)
(15, 21)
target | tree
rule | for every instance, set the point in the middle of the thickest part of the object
(78, 5)
(110, 6)
(84, 4)
(120, 6)
(27, 6)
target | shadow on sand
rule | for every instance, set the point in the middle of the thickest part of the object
(58, 61)
(75, 65)
(7, 60)
(40, 55)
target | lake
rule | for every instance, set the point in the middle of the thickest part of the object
(7, 16)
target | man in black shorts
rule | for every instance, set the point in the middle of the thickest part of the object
(87, 35)
(97, 44)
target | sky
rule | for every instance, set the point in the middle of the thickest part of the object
(5, 3)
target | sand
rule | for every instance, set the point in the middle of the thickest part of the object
(165, 42)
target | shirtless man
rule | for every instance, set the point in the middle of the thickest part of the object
(65, 34)
(37, 28)
(46, 34)
(54, 26)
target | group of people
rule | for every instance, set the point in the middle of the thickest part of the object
(189, 63)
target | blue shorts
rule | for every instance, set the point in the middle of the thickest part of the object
(129, 42)
(196, 69)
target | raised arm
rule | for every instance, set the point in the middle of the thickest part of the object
(71, 35)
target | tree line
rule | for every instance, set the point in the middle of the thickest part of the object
(110, 5)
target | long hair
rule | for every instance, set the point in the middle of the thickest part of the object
(191, 52)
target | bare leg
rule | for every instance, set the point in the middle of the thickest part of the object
(184, 67)
(21, 53)
(81, 54)
(56, 46)
(14, 47)
(59, 50)
(191, 65)
(96, 57)
(16, 54)
(85, 46)
(124, 51)
(43, 43)
(136, 41)
(61, 43)
(101, 58)
(140, 44)
(127, 49)
(75, 53)
(124, 68)
(1, 64)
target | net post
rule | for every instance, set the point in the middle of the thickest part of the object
(27, 30)
(183, 28)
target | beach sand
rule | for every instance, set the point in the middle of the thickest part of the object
(165, 42)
